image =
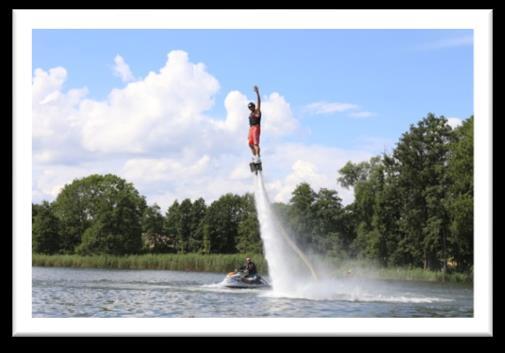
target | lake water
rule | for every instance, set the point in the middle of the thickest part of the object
(72, 292)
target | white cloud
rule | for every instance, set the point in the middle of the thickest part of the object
(291, 164)
(284, 165)
(157, 115)
(277, 117)
(240, 172)
(327, 107)
(50, 179)
(122, 70)
(323, 108)
(236, 109)
(454, 122)
(156, 133)
(55, 118)
(47, 83)
(152, 170)
(161, 111)
(301, 171)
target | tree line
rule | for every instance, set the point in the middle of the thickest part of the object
(412, 207)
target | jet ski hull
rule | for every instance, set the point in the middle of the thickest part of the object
(235, 280)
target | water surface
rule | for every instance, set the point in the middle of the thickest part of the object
(73, 292)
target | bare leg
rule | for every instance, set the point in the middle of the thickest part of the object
(257, 150)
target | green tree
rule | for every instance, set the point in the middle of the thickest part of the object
(422, 158)
(351, 173)
(117, 210)
(152, 220)
(76, 208)
(367, 179)
(460, 201)
(300, 215)
(35, 210)
(248, 233)
(387, 208)
(184, 226)
(222, 220)
(154, 239)
(198, 212)
(328, 227)
(348, 221)
(45, 230)
(171, 223)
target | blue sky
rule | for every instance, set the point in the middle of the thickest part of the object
(399, 75)
(347, 90)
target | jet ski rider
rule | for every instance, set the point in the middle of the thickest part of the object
(249, 269)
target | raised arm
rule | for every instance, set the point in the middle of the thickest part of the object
(258, 100)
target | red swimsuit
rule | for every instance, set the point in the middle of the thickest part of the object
(254, 130)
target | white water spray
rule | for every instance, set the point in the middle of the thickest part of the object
(283, 256)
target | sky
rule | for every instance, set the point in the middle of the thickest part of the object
(167, 109)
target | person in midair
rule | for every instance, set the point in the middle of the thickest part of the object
(254, 126)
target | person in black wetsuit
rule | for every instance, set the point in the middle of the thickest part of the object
(249, 270)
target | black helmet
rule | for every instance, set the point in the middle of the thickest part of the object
(250, 105)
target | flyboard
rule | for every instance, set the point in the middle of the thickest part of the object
(255, 167)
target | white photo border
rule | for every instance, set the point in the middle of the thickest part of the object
(24, 21)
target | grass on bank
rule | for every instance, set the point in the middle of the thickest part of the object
(173, 262)
(364, 269)
(228, 262)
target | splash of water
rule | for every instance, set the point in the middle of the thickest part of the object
(293, 275)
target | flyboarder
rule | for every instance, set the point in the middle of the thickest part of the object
(254, 132)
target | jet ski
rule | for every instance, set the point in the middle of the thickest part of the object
(238, 279)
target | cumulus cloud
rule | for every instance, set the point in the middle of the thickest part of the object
(163, 169)
(165, 111)
(160, 111)
(157, 133)
(48, 180)
(301, 171)
(278, 117)
(47, 83)
(53, 109)
(55, 118)
(314, 164)
(122, 70)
